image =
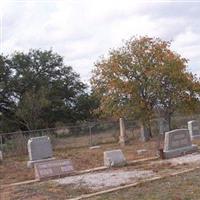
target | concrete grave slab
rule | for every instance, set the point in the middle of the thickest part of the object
(193, 127)
(39, 148)
(53, 168)
(114, 158)
(178, 142)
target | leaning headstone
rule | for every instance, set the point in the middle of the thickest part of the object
(114, 158)
(1, 156)
(193, 127)
(122, 137)
(39, 149)
(53, 168)
(177, 143)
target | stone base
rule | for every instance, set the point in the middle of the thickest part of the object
(180, 151)
(30, 163)
(123, 141)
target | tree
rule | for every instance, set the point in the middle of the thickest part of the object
(30, 108)
(138, 77)
(38, 89)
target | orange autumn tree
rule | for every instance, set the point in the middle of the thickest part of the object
(142, 75)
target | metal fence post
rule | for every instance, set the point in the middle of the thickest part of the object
(1, 143)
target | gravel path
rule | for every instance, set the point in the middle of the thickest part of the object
(105, 179)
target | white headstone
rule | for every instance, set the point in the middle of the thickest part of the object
(177, 143)
(114, 158)
(193, 127)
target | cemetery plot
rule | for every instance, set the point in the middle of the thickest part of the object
(69, 187)
(14, 169)
(53, 168)
(177, 143)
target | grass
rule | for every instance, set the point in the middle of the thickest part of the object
(14, 169)
(181, 187)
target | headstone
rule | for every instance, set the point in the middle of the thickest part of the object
(122, 137)
(114, 158)
(39, 149)
(53, 168)
(193, 127)
(1, 156)
(177, 143)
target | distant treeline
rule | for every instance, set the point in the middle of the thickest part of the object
(141, 80)
(37, 90)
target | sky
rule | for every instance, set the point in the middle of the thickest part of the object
(84, 30)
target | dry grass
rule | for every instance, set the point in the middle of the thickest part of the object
(14, 169)
(181, 187)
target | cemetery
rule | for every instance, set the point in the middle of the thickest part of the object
(85, 172)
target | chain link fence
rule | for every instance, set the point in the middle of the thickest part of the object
(85, 134)
(76, 136)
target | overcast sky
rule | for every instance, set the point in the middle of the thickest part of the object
(83, 30)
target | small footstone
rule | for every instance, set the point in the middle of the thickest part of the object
(95, 147)
(114, 158)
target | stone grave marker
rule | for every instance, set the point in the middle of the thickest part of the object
(114, 158)
(178, 142)
(122, 138)
(52, 168)
(39, 149)
(193, 127)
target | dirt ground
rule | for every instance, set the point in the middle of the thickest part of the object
(60, 189)
(14, 169)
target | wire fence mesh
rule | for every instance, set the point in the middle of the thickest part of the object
(85, 134)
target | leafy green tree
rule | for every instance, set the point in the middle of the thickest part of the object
(39, 89)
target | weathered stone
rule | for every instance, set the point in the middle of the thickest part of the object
(53, 168)
(39, 148)
(122, 138)
(193, 127)
(114, 158)
(177, 143)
